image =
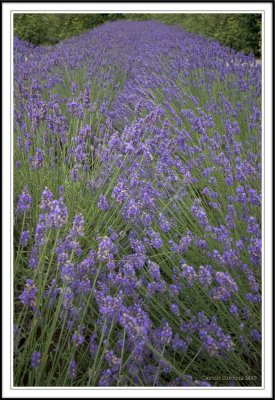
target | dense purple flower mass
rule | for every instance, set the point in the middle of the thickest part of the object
(137, 230)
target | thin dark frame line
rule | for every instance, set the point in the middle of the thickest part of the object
(138, 11)
(165, 2)
(263, 185)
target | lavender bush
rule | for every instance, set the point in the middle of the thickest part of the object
(137, 215)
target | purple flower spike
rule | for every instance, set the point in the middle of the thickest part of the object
(24, 238)
(24, 201)
(163, 223)
(103, 203)
(28, 296)
(57, 217)
(36, 359)
(72, 370)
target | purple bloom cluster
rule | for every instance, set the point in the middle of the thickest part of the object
(28, 296)
(77, 338)
(37, 160)
(72, 373)
(24, 201)
(57, 217)
(105, 249)
(36, 358)
(103, 203)
(24, 238)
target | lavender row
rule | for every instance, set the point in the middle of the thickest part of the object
(138, 214)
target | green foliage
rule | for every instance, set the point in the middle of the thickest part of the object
(51, 28)
(35, 28)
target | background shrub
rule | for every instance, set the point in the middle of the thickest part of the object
(51, 28)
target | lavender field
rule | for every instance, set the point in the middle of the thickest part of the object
(137, 210)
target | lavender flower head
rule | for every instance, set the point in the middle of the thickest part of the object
(103, 203)
(28, 296)
(36, 359)
(105, 249)
(24, 238)
(47, 198)
(58, 215)
(72, 370)
(164, 223)
(24, 202)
